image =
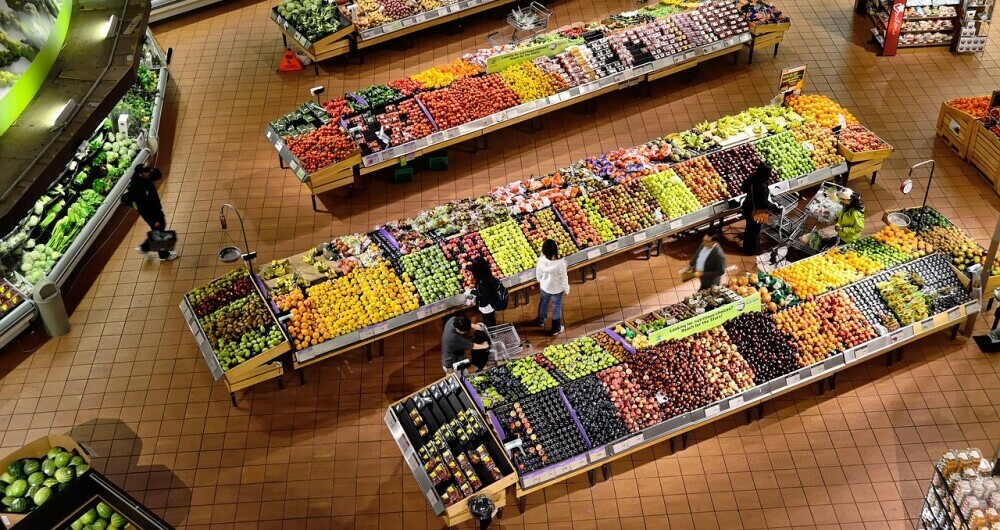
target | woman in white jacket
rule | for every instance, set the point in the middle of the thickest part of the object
(554, 283)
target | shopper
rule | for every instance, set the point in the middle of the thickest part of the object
(490, 295)
(755, 207)
(460, 335)
(142, 197)
(850, 218)
(708, 262)
(554, 283)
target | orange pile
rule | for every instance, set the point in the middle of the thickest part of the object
(904, 240)
(821, 109)
(977, 106)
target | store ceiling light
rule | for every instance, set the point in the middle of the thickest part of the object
(65, 113)
(112, 28)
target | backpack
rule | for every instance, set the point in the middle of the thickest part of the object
(502, 297)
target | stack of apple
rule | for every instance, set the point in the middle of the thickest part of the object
(322, 147)
(435, 276)
(844, 320)
(628, 206)
(578, 358)
(702, 179)
(674, 198)
(482, 96)
(813, 338)
(584, 234)
(446, 110)
(510, 249)
(636, 406)
(541, 225)
(531, 375)
(724, 367)
(858, 139)
(464, 250)
(786, 156)
(605, 228)
(677, 376)
(820, 142)
(735, 166)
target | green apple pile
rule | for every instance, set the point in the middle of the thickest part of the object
(785, 155)
(604, 227)
(880, 252)
(531, 375)
(30, 482)
(543, 224)
(578, 358)
(509, 247)
(674, 198)
(434, 276)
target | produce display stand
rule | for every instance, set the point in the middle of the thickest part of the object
(19, 319)
(956, 128)
(677, 427)
(587, 257)
(763, 35)
(343, 173)
(864, 163)
(256, 369)
(984, 154)
(349, 40)
(440, 401)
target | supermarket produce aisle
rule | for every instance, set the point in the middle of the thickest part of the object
(319, 456)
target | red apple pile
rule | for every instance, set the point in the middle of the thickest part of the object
(735, 166)
(844, 320)
(320, 148)
(636, 406)
(702, 179)
(725, 368)
(628, 206)
(676, 376)
(541, 225)
(768, 350)
(464, 250)
(445, 108)
(584, 234)
(859, 139)
(338, 107)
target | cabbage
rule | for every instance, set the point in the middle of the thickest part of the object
(106, 146)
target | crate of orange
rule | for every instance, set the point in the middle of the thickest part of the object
(956, 121)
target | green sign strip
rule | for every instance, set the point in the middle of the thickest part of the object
(27, 86)
(706, 320)
(506, 60)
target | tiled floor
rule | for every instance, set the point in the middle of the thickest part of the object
(129, 380)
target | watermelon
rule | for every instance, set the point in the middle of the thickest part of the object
(32, 490)
(18, 488)
(103, 510)
(77, 460)
(41, 495)
(62, 459)
(80, 470)
(36, 478)
(49, 467)
(19, 505)
(31, 465)
(49, 482)
(54, 452)
(16, 469)
(89, 517)
(6, 478)
(64, 475)
(77, 525)
(99, 524)
(118, 521)
(7, 500)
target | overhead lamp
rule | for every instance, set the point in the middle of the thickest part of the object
(112, 27)
(65, 113)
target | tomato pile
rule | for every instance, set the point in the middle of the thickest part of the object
(320, 148)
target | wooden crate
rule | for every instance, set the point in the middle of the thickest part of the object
(757, 28)
(851, 156)
(984, 153)
(957, 129)
(262, 374)
(38, 449)
(863, 169)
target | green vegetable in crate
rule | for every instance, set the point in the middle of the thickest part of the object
(101, 186)
(313, 18)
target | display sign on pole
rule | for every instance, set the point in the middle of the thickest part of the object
(893, 27)
(506, 60)
(792, 81)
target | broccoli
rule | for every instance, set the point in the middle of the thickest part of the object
(8, 78)
(20, 48)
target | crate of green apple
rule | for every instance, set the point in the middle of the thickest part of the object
(237, 323)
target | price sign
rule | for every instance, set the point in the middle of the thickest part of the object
(599, 453)
(713, 411)
(955, 313)
(366, 333)
(735, 402)
(437, 137)
(927, 323)
(574, 92)
(781, 187)
(816, 370)
(625, 445)
(422, 17)
(611, 247)
(397, 25)
(380, 329)
(423, 313)
(792, 379)
(594, 254)
(719, 208)
(431, 496)
(619, 77)
(850, 355)
(267, 133)
(640, 236)
(675, 224)
(861, 351)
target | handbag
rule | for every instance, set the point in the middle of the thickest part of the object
(161, 240)
(761, 216)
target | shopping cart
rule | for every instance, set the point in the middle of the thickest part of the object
(806, 230)
(504, 343)
(522, 24)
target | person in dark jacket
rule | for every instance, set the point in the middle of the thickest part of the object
(487, 291)
(708, 262)
(755, 207)
(142, 197)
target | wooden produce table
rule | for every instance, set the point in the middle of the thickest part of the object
(957, 129)
(984, 153)
(766, 35)
(864, 163)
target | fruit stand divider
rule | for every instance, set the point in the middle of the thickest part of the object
(681, 424)
(576, 419)
(628, 347)
(526, 279)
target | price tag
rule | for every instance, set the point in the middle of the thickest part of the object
(365, 333)
(850, 355)
(640, 236)
(594, 254)
(380, 329)
(675, 224)
(404, 444)
(423, 313)
(267, 133)
(422, 17)
(625, 445)
(390, 420)
(574, 92)
(713, 411)
(619, 77)
(735, 402)
(199, 338)
(431, 496)
(781, 187)
(599, 453)
(437, 137)
(816, 370)
(719, 208)
(955, 313)
(927, 323)
(894, 337)
(293, 164)
(611, 247)
(397, 25)
(792, 379)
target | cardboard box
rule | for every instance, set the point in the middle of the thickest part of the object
(38, 449)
